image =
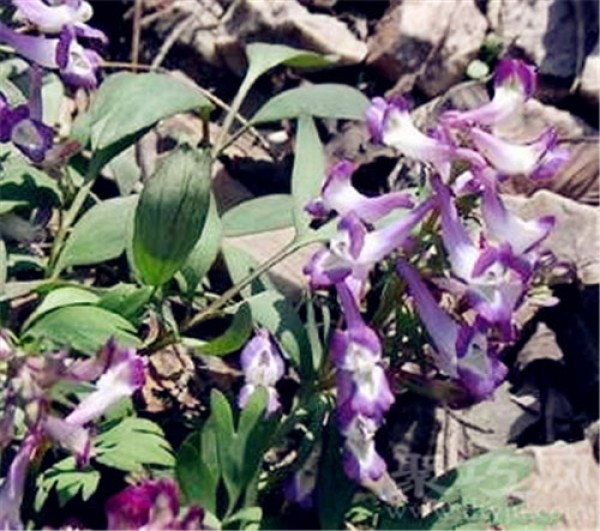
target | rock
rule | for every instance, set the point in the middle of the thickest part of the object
(447, 66)
(575, 238)
(589, 89)
(430, 43)
(555, 34)
(564, 481)
(287, 22)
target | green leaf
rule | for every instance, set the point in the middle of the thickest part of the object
(197, 482)
(23, 185)
(127, 300)
(308, 172)
(240, 264)
(134, 444)
(327, 100)
(3, 266)
(262, 214)
(234, 337)
(171, 214)
(67, 296)
(99, 235)
(273, 311)
(68, 480)
(83, 328)
(334, 490)
(264, 56)
(128, 103)
(490, 476)
(205, 252)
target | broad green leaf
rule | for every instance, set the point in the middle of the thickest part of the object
(127, 300)
(83, 328)
(128, 103)
(3, 266)
(170, 214)
(99, 235)
(309, 170)
(264, 56)
(68, 480)
(273, 311)
(234, 337)
(23, 185)
(248, 518)
(487, 477)
(67, 296)
(195, 478)
(205, 252)
(327, 100)
(262, 214)
(125, 170)
(134, 444)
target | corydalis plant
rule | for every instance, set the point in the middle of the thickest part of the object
(491, 269)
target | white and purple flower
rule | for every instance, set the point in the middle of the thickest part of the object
(151, 504)
(339, 195)
(262, 365)
(462, 351)
(514, 83)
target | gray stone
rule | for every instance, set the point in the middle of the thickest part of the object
(589, 89)
(555, 34)
(430, 43)
(575, 238)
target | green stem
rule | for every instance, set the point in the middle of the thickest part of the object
(233, 111)
(68, 220)
(217, 304)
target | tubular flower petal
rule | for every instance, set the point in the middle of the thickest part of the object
(152, 504)
(262, 366)
(71, 436)
(539, 160)
(354, 251)
(361, 461)
(338, 194)
(76, 65)
(494, 287)
(389, 123)
(122, 378)
(52, 18)
(300, 486)
(504, 226)
(462, 351)
(514, 83)
(13, 487)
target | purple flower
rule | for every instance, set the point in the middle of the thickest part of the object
(152, 504)
(13, 487)
(514, 83)
(122, 378)
(76, 65)
(389, 123)
(494, 279)
(71, 436)
(354, 251)
(361, 461)
(51, 18)
(541, 159)
(262, 366)
(299, 487)
(461, 351)
(338, 194)
(504, 226)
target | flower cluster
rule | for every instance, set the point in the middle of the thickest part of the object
(262, 366)
(117, 373)
(491, 269)
(152, 504)
(22, 124)
(65, 22)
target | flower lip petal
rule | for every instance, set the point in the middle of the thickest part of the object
(517, 73)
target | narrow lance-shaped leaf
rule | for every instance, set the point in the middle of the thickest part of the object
(171, 214)
(308, 172)
(327, 100)
(269, 212)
